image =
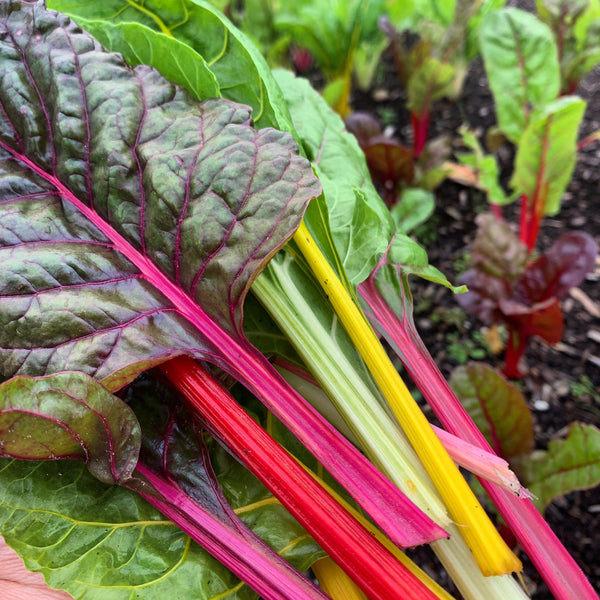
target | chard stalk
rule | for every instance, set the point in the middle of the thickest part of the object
(240, 550)
(490, 551)
(334, 582)
(373, 568)
(561, 573)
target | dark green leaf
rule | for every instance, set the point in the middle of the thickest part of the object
(69, 415)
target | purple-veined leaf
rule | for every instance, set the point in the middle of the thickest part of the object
(497, 406)
(69, 415)
(561, 268)
(133, 220)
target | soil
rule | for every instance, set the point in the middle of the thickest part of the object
(561, 382)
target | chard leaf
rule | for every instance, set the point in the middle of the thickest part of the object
(141, 45)
(568, 465)
(69, 415)
(547, 152)
(562, 267)
(497, 406)
(238, 66)
(332, 150)
(415, 207)
(72, 543)
(430, 81)
(522, 67)
(101, 542)
(125, 205)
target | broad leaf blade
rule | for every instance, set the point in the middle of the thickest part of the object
(69, 415)
(125, 204)
(547, 152)
(238, 66)
(522, 66)
(568, 465)
(497, 407)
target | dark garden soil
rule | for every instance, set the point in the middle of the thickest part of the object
(561, 382)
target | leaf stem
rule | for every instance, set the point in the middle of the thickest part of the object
(490, 551)
(371, 566)
(563, 576)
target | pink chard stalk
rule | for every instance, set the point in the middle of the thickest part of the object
(388, 302)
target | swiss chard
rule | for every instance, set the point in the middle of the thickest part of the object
(133, 222)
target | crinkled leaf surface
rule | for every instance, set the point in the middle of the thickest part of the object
(69, 415)
(521, 63)
(141, 45)
(547, 152)
(568, 465)
(238, 66)
(497, 406)
(125, 205)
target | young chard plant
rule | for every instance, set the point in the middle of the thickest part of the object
(508, 283)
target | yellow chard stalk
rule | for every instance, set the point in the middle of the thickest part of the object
(493, 556)
(334, 582)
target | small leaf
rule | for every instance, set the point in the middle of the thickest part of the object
(415, 207)
(69, 415)
(429, 81)
(497, 406)
(546, 154)
(496, 250)
(544, 319)
(522, 66)
(562, 267)
(568, 465)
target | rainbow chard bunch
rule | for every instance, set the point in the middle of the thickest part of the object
(136, 216)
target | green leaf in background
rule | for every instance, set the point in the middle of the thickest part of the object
(69, 415)
(497, 406)
(485, 167)
(521, 63)
(141, 45)
(429, 81)
(415, 207)
(351, 197)
(547, 152)
(568, 465)
(238, 66)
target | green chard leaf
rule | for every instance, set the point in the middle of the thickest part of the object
(141, 45)
(568, 465)
(521, 62)
(547, 152)
(359, 220)
(238, 66)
